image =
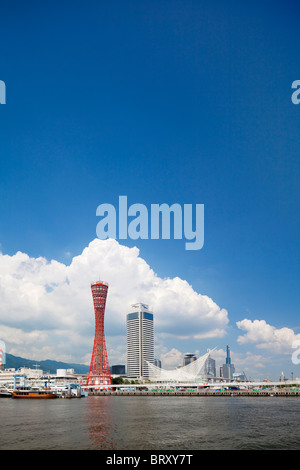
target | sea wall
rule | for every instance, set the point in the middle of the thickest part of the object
(208, 393)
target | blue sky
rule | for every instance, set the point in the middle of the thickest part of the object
(182, 101)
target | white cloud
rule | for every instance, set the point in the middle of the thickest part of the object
(171, 359)
(265, 336)
(46, 308)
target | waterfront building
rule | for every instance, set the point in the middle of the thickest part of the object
(239, 376)
(118, 369)
(7, 377)
(210, 367)
(157, 363)
(228, 367)
(188, 358)
(1, 358)
(140, 341)
(282, 377)
(39, 378)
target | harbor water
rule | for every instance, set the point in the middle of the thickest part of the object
(151, 423)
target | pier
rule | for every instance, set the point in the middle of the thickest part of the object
(197, 393)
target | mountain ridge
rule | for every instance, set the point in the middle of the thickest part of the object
(47, 365)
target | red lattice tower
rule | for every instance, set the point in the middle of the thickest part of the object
(99, 373)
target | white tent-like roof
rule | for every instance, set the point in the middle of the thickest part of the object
(191, 372)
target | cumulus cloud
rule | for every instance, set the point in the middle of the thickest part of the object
(265, 336)
(46, 308)
(171, 359)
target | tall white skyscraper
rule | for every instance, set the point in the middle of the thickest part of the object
(140, 340)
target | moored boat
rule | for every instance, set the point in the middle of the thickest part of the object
(4, 393)
(27, 392)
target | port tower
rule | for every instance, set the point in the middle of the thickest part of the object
(99, 373)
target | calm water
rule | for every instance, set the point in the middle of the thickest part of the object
(151, 423)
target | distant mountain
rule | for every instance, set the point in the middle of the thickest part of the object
(47, 366)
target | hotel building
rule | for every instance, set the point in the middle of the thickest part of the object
(140, 341)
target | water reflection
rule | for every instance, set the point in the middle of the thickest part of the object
(99, 422)
(146, 422)
(124, 423)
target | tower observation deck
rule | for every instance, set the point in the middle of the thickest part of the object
(99, 373)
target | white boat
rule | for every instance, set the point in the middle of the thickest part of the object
(4, 393)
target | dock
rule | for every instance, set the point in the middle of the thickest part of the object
(197, 393)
